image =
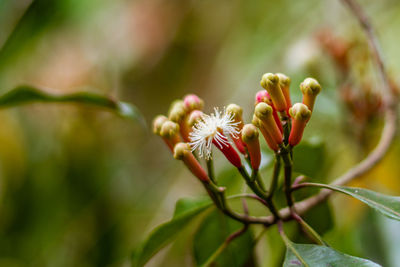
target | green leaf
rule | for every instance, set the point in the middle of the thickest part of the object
(321, 256)
(387, 205)
(309, 158)
(212, 233)
(27, 94)
(185, 212)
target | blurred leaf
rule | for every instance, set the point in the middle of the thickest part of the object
(321, 256)
(185, 204)
(27, 94)
(387, 205)
(211, 235)
(309, 158)
(319, 218)
(185, 212)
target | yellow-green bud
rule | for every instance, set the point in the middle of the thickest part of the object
(177, 113)
(270, 82)
(237, 113)
(255, 121)
(181, 150)
(310, 86)
(300, 112)
(310, 89)
(284, 82)
(157, 123)
(263, 110)
(169, 130)
(194, 117)
(249, 133)
(264, 113)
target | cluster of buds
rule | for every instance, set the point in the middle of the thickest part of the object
(190, 134)
(274, 110)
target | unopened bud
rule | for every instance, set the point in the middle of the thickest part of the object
(193, 102)
(182, 151)
(194, 117)
(236, 111)
(300, 115)
(300, 112)
(250, 138)
(284, 82)
(264, 112)
(263, 96)
(270, 82)
(157, 123)
(170, 131)
(310, 89)
(270, 141)
(177, 113)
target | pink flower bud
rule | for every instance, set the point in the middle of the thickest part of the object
(194, 117)
(193, 102)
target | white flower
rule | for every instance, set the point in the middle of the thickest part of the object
(215, 127)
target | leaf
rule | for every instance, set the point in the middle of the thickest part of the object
(386, 205)
(309, 158)
(26, 94)
(321, 256)
(185, 212)
(212, 233)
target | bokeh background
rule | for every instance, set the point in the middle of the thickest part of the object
(80, 186)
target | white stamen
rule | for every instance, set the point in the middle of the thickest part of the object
(215, 127)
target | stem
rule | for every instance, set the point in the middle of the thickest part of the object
(311, 232)
(210, 170)
(275, 176)
(221, 248)
(259, 192)
(288, 177)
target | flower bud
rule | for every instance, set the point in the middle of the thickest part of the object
(263, 96)
(237, 113)
(250, 138)
(183, 152)
(170, 133)
(284, 82)
(300, 115)
(270, 82)
(178, 114)
(264, 112)
(157, 123)
(194, 117)
(310, 89)
(270, 141)
(193, 102)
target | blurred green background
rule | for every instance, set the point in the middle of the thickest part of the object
(80, 186)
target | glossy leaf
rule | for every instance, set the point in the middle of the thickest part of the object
(27, 94)
(186, 210)
(212, 233)
(387, 205)
(321, 256)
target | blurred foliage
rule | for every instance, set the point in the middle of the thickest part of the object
(80, 186)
